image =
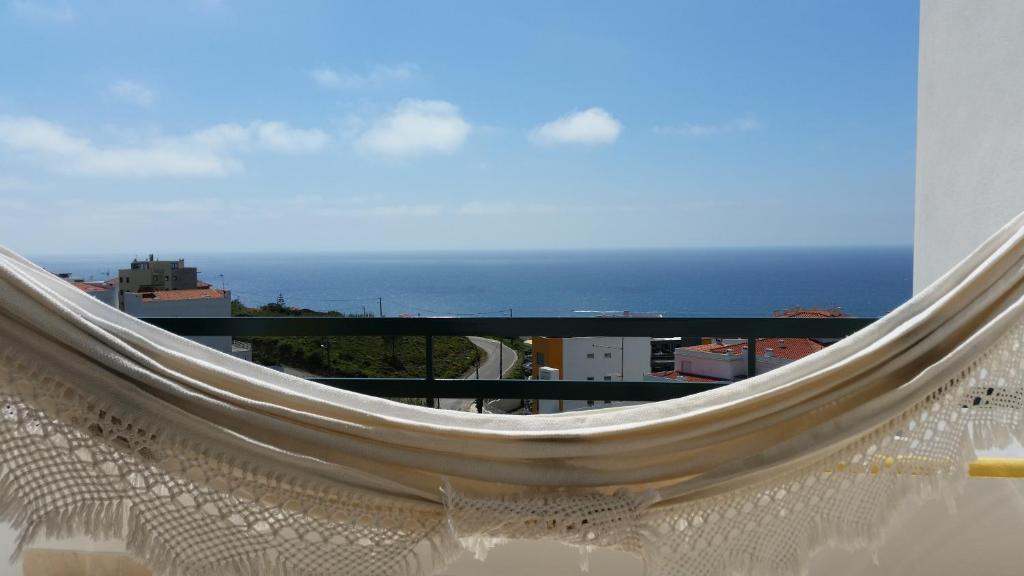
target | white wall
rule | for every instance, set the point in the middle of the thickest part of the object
(970, 132)
(722, 366)
(108, 297)
(576, 365)
(140, 307)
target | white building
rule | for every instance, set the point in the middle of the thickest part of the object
(598, 359)
(188, 298)
(196, 302)
(105, 292)
(727, 359)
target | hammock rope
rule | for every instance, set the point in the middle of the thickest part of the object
(206, 464)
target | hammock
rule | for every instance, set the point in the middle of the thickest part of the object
(209, 465)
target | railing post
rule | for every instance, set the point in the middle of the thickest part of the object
(431, 402)
(751, 357)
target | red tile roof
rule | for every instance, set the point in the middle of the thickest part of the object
(809, 313)
(192, 294)
(684, 376)
(93, 286)
(785, 348)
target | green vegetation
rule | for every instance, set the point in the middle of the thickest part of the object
(521, 348)
(356, 356)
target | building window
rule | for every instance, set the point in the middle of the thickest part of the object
(590, 377)
(156, 278)
(607, 354)
(590, 402)
(590, 355)
(607, 378)
(540, 359)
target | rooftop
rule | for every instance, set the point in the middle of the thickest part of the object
(190, 294)
(785, 348)
(809, 313)
(93, 286)
(686, 377)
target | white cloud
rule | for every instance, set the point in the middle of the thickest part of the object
(220, 136)
(591, 126)
(14, 184)
(191, 208)
(273, 136)
(208, 152)
(279, 137)
(42, 11)
(400, 210)
(505, 209)
(374, 205)
(745, 124)
(375, 78)
(133, 93)
(416, 127)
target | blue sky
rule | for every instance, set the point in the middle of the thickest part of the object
(211, 126)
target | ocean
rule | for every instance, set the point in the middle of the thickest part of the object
(672, 282)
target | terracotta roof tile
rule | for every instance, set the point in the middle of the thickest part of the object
(785, 348)
(191, 294)
(809, 313)
(684, 376)
(93, 286)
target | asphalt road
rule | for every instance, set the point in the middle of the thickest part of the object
(488, 368)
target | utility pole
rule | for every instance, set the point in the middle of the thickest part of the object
(380, 306)
(479, 401)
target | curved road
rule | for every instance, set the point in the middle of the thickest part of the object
(488, 368)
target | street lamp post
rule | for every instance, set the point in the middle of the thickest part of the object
(327, 350)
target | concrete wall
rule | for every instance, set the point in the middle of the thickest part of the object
(608, 361)
(547, 352)
(139, 307)
(108, 297)
(611, 356)
(970, 133)
(722, 366)
(158, 275)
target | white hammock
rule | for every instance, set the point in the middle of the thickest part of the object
(209, 465)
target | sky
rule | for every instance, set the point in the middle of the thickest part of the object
(229, 126)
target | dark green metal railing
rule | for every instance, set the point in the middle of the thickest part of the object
(431, 387)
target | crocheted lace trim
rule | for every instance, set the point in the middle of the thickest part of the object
(76, 465)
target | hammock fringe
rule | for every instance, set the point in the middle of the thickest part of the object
(27, 504)
(206, 465)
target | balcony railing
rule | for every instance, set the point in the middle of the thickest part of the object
(430, 387)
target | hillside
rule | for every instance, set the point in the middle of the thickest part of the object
(356, 356)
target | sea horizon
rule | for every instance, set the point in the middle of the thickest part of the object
(674, 282)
